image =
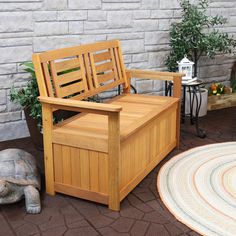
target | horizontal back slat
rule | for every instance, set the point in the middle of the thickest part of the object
(71, 89)
(73, 51)
(102, 56)
(104, 67)
(106, 77)
(69, 77)
(83, 71)
(67, 65)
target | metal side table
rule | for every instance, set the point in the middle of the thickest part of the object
(193, 88)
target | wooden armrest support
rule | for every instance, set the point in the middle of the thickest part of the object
(156, 75)
(159, 75)
(80, 106)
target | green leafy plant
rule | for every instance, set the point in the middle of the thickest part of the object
(195, 35)
(27, 96)
(233, 78)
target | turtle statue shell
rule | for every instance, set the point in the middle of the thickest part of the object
(19, 177)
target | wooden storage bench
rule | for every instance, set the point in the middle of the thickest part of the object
(102, 153)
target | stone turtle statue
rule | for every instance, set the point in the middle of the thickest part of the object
(19, 177)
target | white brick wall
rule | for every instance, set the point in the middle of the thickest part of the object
(28, 26)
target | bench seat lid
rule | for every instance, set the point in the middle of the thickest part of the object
(91, 130)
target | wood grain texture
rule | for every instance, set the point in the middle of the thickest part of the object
(102, 153)
(143, 150)
(114, 160)
(48, 148)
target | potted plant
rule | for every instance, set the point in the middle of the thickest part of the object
(27, 97)
(195, 35)
(220, 96)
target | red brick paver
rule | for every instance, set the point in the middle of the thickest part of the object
(142, 212)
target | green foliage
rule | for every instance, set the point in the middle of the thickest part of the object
(233, 78)
(195, 35)
(27, 97)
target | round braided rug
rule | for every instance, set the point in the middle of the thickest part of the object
(199, 188)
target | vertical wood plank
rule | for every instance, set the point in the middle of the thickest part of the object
(75, 167)
(94, 174)
(177, 93)
(114, 63)
(103, 172)
(88, 71)
(173, 126)
(114, 159)
(158, 125)
(82, 69)
(48, 79)
(66, 160)
(95, 78)
(54, 78)
(84, 163)
(123, 165)
(122, 64)
(48, 149)
(153, 142)
(57, 153)
(126, 89)
(177, 80)
(118, 63)
(39, 75)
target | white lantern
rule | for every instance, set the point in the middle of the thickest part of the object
(186, 67)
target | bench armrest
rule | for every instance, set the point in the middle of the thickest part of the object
(159, 75)
(80, 106)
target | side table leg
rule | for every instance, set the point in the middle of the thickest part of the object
(183, 106)
(200, 133)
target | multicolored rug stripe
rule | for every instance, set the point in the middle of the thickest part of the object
(199, 188)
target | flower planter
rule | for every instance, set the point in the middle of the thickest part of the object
(216, 102)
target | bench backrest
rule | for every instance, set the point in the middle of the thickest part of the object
(80, 72)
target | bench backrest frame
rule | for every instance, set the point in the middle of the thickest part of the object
(80, 72)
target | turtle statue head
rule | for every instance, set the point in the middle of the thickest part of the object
(4, 188)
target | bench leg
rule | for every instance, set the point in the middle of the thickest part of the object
(114, 160)
(48, 150)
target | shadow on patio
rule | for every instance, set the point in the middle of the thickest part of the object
(142, 212)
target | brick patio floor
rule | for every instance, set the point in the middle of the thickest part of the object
(142, 212)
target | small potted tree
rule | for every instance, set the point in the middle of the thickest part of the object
(196, 35)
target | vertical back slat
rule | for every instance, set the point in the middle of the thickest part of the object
(117, 63)
(48, 79)
(39, 75)
(54, 78)
(122, 64)
(114, 63)
(95, 79)
(88, 71)
(83, 72)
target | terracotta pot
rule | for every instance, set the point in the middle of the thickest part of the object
(36, 136)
